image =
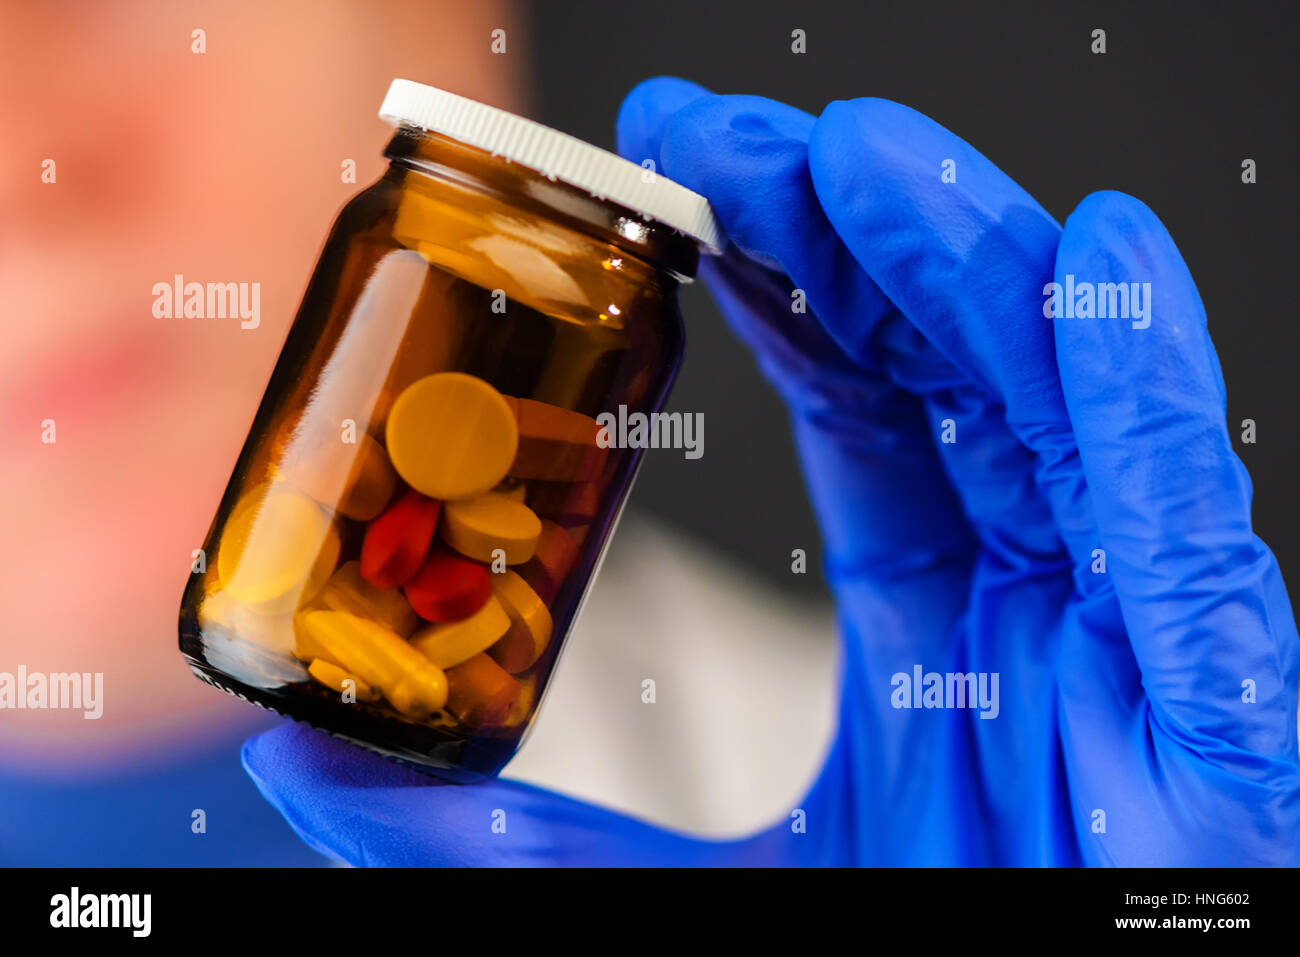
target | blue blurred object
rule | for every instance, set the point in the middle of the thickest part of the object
(141, 816)
(1053, 502)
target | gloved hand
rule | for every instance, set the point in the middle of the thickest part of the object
(1055, 501)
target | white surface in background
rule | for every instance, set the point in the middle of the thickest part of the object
(746, 692)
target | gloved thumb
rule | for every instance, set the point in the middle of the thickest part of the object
(362, 809)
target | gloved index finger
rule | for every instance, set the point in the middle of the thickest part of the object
(961, 248)
(748, 156)
(889, 518)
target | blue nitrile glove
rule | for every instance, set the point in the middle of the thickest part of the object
(1147, 707)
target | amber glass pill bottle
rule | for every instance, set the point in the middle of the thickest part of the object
(426, 490)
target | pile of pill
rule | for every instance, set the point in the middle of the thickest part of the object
(470, 510)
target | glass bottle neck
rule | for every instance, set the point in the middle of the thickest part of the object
(662, 249)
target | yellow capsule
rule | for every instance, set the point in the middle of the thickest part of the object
(277, 549)
(348, 591)
(448, 643)
(378, 656)
(332, 676)
(530, 623)
(479, 526)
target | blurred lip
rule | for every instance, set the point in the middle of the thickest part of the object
(87, 382)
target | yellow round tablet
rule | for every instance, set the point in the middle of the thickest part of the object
(332, 676)
(522, 704)
(517, 492)
(479, 526)
(451, 436)
(449, 643)
(278, 547)
(222, 613)
(530, 624)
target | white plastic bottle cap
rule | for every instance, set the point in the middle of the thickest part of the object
(554, 154)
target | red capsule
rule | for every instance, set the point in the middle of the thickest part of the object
(448, 587)
(397, 541)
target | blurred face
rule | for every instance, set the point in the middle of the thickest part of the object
(120, 429)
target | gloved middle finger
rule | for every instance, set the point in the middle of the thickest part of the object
(749, 156)
(964, 252)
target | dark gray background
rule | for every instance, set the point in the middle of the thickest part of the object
(1185, 92)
